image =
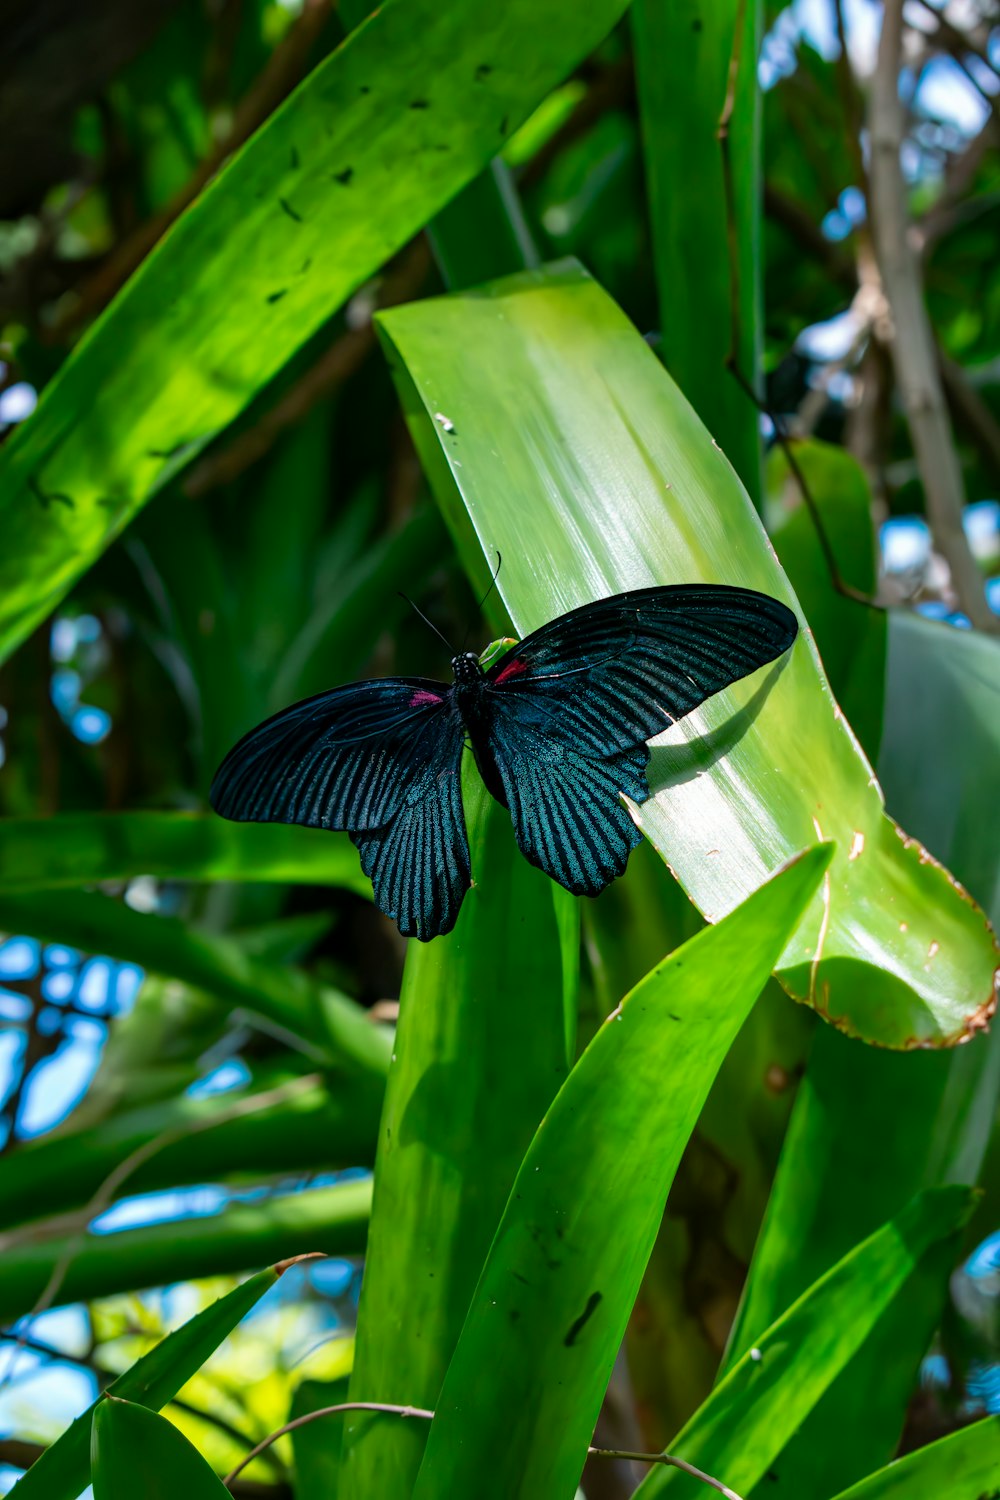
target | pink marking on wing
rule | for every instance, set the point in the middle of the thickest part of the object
(422, 696)
(512, 669)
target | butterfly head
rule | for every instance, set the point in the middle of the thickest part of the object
(466, 667)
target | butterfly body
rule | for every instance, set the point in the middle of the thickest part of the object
(558, 726)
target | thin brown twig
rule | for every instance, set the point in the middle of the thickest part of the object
(387, 1408)
(672, 1462)
(732, 359)
(970, 411)
(912, 342)
(784, 443)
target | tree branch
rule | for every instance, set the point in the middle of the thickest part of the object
(912, 341)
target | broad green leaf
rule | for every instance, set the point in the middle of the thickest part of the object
(571, 451)
(63, 1470)
(831, 1189)
(76, 849)
(761, 1403)
(308, 210)
(181, 1141)
(565, 1266)
(683, 59)
(963, 1466)
(480, 1051)
(135, 1451)
(333, 1220)
(337, 1028)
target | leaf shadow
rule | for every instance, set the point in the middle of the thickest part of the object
(673, 765)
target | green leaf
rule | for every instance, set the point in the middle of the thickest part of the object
(317, 1445)
(338, 1029)
(137, 1452)
(181, 1141)
(310, 208)
(608, 481)
(683, 61)
(331, 1220)
(565, 1266)
(481, 1048)
(963, 1466)
(76, 849)
(831, 1190)
(63, 1470)
(758, 1407)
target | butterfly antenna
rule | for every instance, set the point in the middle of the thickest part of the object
(426, 621)
(496, 575)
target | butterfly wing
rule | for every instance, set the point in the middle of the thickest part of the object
(572, 706)
(382, 760)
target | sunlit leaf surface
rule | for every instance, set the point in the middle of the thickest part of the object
(565, 1266)
(374, 142)
(480, 1051)
(63, 1470)
(569, 450)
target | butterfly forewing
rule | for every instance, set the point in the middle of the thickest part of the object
(380, 759)
(572, 706)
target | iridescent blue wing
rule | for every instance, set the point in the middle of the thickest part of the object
(382, 760)
(572, 706)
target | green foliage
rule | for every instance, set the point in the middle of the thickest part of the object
(61, 1472)
(562, 364)
(135, 1449)
(566, 1262)
(213, 512)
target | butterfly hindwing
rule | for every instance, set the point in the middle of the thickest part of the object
(564, 804)
(382, 760)
(572, 706)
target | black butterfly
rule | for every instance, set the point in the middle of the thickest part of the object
(558, 727)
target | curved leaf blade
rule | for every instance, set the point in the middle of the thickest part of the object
(74, 849)
(337, 1027)
(63, 1470)
(331, 1220)
(137, 1452)
(757, 1409)
(310, 208)
(572, 452)
(963, 1466)
(565, 1266)
(463, 1099)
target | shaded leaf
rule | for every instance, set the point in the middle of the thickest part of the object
(136, 1451)
(76, 849)
(758, 1407)
(333, 1220)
